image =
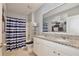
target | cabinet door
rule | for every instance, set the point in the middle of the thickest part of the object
(42, 48)
(49, 48)
(39, 47)
(46, 48)
(0, 51)
(54, 49)
(36, 46)
(70, 51)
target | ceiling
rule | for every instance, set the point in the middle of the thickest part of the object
(22, 8)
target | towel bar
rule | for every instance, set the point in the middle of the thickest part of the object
(31, 42)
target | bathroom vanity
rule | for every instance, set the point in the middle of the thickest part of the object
(44, 46)
(60, 32)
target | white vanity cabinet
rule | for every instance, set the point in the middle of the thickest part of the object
(0, 51)
(39, 47)
(70, 51)
(44, 47)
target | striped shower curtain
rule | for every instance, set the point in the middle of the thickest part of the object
(15, 33)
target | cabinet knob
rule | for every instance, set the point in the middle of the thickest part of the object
(54, 52)
(58, 53)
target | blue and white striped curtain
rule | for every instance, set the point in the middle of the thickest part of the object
(15, 33)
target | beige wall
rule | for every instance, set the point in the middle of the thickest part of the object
(0, 28)
(0, 23)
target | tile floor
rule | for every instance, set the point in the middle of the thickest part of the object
(20, 52)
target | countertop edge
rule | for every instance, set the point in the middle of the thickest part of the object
(57, 42)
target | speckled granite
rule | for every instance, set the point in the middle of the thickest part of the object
(71, 40)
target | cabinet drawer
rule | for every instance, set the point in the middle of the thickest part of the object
(70, 51)
(48, 48)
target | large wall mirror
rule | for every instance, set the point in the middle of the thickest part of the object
(54, 24)
(58, 20)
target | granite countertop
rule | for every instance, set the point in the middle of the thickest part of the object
(67, 42)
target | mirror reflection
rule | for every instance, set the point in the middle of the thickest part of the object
(55, 24)
(62, 21)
